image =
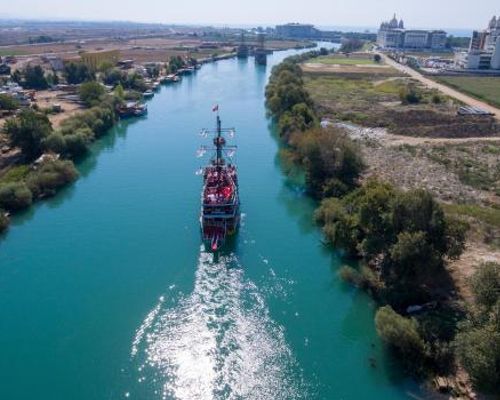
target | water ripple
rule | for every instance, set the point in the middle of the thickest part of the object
(219, 342)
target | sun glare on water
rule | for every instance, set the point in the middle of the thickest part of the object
(218, 342)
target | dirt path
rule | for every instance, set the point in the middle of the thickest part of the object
(390, 139)
(397, 140)
(471, 101)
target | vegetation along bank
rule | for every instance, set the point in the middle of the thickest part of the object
(404, 239)
(47, 153)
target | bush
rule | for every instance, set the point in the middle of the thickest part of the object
(477, 345)
(91, 93)
(15, 174)
(350, 275)
(286, 90)
(486, 285)
(51, 176)
(15, 196)
(300, 118)
(114, 77)
(55, 143)
(34, 78)
(28, 131)
(76, 144)
(437, 99)
(8, 102)
(76, 73)
(402, 335)
(331, 159)
(364, 278)
(92, 123)
(406, 235)
(351, 45)
(410, 95)
(478, 349)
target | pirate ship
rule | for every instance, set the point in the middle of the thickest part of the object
(220, 201)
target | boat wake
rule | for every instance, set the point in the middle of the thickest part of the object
(219, 342)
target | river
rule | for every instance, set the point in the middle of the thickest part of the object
(106, 293)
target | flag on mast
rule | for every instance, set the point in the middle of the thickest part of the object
(215, 108)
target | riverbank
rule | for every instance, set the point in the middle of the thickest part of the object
(350, 92)
(74, 123)
(292, 329)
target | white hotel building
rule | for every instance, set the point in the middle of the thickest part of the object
(484, 49)
(393, 35)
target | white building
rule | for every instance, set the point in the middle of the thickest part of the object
(484, 48)
(393, 35)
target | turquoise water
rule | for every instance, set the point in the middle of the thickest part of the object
(106, 293)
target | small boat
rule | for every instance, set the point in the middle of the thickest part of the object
(148, 94)
(172, 78)
(132, 109)
(220, 201)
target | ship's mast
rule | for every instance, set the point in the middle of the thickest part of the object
(218, 142)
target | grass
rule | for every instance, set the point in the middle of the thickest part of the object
(9, 52)
(357, 93)
(15, 174)
(476, 165)
(342, 60)
(482, 87)
(356, 98)
(486, 215)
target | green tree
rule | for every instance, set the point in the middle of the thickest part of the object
(8, 102)
(114, 77)
(298, 119)
(402, 335)
(478, 342)
(135, 82)
(53, 78)
(175, 64)
(52, 175)
(405, 234)
(17, 76)
(55, 143)
(77, 143)
(486, 285)
(91, 93)
(15, 196)
(28, 131)
(76, 73)
(105, 66)
(119, 92)
(331, 160)
(410, 95)
(351, 45)
(478, 349)
(34, 78)
(412, 258)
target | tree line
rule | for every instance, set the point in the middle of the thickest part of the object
(32, 132)
(402, 240)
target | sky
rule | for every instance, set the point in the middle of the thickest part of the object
(360, 13)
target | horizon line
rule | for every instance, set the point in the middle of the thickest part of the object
(201, 24)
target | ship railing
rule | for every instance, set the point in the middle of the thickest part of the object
(216, 213)
(216, 204)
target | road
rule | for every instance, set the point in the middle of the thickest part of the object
(471, 101)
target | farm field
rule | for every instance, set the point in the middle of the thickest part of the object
(344, 60)
(484, 88)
